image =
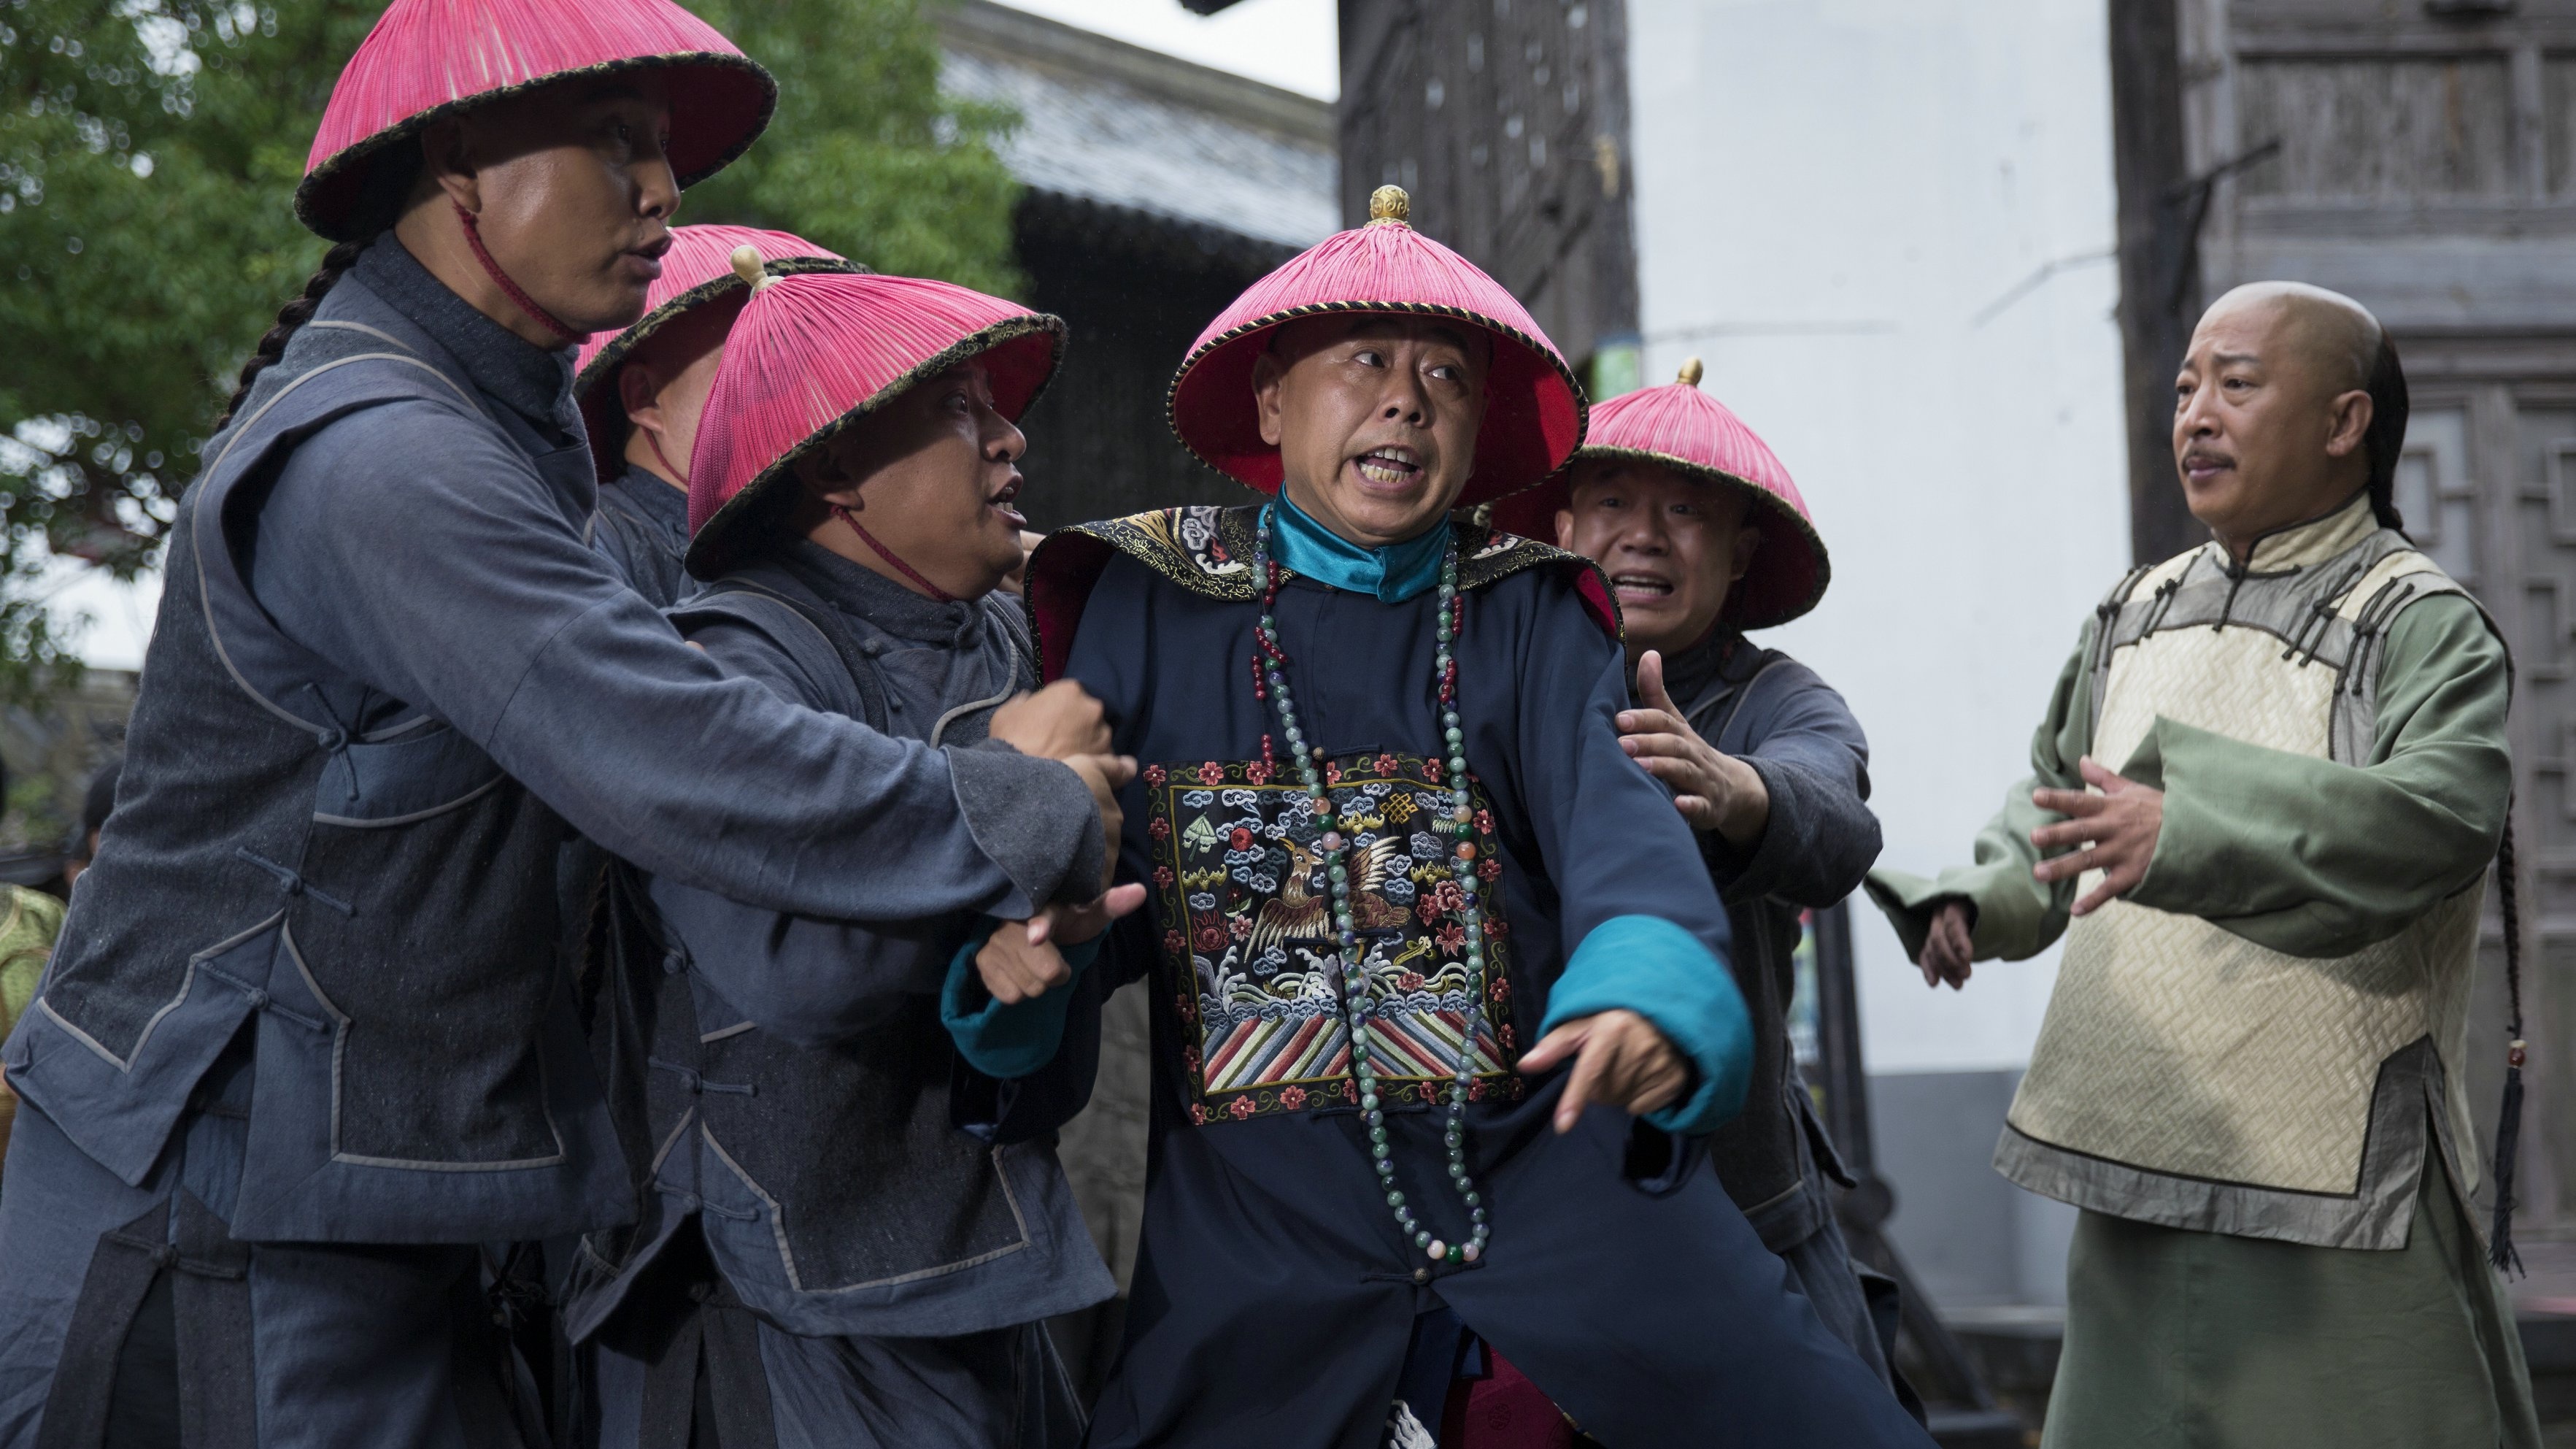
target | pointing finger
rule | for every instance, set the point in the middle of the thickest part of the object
(1578, 1088)
(1555, 1046)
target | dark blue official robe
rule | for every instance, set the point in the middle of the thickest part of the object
(1275, 1297)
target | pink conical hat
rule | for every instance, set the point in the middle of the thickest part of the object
(697, 271)
(1682, 428)
(1533, 409)
(816, 351)
(431, 58)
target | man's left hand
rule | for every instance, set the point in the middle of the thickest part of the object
(1065, 925)
(1620, 1060)
(2116, 831)
(1713, 791)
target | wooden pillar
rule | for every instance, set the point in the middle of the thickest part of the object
(1507, 120)
(2159, 268)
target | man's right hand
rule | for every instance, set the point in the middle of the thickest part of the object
(1056, 723)
(1105, 774)
(1948, 947)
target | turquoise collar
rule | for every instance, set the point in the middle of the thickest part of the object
(1394, 573)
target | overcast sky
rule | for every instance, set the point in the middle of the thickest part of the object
(1285, 42)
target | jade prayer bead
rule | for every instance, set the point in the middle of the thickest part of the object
(1270, 684)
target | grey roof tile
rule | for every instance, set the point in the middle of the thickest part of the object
(1109, 134)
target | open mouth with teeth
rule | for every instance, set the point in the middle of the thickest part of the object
(1641, 588)
(1389, 467)
(1001, 503)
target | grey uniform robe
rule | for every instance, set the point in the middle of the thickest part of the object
(409, 561)
(1777, 716)
(881, 1226)
(642, 529)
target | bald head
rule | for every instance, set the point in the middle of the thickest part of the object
(2338, 336)
(2288, 404)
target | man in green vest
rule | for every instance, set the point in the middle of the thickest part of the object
(2265, 794)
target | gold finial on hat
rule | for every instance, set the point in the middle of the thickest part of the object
(1389, 203)
(748, 266)
(1691, 372)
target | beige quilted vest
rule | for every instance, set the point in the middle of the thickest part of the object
(2185, 1075)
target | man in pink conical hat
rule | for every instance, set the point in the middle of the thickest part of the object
(853, 1219)
(1703, 537)
(643, 389)
(1442, 1012)
(310, 1046)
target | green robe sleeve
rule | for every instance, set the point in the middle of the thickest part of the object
(2016, 915)
(2318, 858)
(2306, 856)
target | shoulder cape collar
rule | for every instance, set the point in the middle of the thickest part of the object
(1208, 550)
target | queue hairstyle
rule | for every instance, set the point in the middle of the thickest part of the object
(2386, 438)
(388, 184)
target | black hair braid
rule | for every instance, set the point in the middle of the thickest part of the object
(2500, 1249)
(2385, 440)
(297, 312)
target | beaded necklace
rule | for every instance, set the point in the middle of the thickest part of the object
(1270, 684)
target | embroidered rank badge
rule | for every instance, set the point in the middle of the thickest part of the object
(1248, 934)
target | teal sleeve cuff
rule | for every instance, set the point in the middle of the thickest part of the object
(1654, 968)
(1002, 1041)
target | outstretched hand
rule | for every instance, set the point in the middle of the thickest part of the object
(1022, 960)
(1620, 1060)
(1713, 791)
(2115, 832)
(1072, 925)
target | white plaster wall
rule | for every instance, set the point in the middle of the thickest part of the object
(1885, 224)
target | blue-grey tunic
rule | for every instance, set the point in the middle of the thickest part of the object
(886, 1213)
(388, 675)
(642, 529)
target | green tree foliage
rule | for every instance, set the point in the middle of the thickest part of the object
(145, 157)
(148, 149)
(865, 155)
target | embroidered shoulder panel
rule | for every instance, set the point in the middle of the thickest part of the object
(1203, 548)
(1208, 550)
(1249, 961)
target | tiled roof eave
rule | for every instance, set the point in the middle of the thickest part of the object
(1178, 240)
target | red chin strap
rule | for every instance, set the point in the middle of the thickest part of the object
(883, 552)
(510, 289)
(654, 441)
